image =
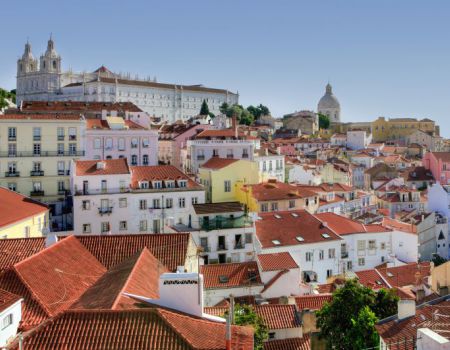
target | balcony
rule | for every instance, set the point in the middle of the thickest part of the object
(36, 137)
(222, 247)
(61, 172)
(61, 137)
(239, 245)
(12, 174)
(12, 138)
(105, 211)
(37, 173)
(200, 157)
(63, 192)
(72, 137)
(225, 223)
(7, 154)
(37, 193)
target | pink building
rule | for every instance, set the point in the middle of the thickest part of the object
(173, 138)
(439, 164)
(115, 137)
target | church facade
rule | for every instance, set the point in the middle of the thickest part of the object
(44, 80)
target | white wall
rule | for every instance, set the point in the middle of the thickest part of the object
(7, 333)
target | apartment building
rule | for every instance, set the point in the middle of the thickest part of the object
(35, 155)
(110, 196)
(400, 128)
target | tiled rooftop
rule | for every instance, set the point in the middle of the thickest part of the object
(231, 275)
(276, 261)
(109, 167)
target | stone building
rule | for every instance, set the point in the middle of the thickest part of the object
(329, 105)
(306, 121)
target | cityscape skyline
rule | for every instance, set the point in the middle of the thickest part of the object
(376, 70)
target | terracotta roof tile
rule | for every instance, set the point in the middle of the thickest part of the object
(278, 316)
(159, 172)
(274, 190)
(303, 343)
(406, 275)
(170, 249)
(232, 275)
(276, 261)
(372, 279)
(59, 117)
(7, 299)
(343, 226)
(286, 228)
(216, 163)
(15, 207)
(312, 302)
(79, 106)
(223, 207)
(110, 167)
(14, 250)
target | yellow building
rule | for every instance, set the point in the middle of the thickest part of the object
(20, 216)
(35, 154)
(399, 128)
(220, 175)
(337, 172)
(274, 196)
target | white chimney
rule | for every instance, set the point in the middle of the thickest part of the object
(406, 308)
(100, 165)
(50, 240)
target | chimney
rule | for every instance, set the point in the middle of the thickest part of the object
(406, 308)
(50, 240)
(234, 126)
(100, 165)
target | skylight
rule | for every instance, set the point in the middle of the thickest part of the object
(223, 279)
(300, 238)
(276, 242)
(295, 215)
(389, 274)
(325, 235)
(277, 216)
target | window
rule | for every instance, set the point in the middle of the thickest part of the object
(331, 253)
(37, 186)
(274, 206)
(182, 183)
(248, 238)
(157, 184)
(383, 246)
(61, 186)
(72, 149)
(12, 168)
(86, 205)
(143, 204)
(292, 203)
(145, 159)
(86, 228)
(194, 200)
(37, 134)
(361, 261)
(134, 143)
(12, 134)
(37, 149)
(349, 265)
(60, 132)
(104, 227)
(12, 149)
(72, 134)
(372, 244)
(143, 184)
(156, 203)
(329, 273)
(61, 168)
(12, 186)
(27, 231)
(181, 202)
(37, 166)
(123, 226)
(122, 202)
(169, 202)
(264, 207)
(109, 144)
(121, 145)
(361, 245)
(7, 321)
(321, 254)
(145, 143)
(60, 149)
(104, 186)
(227, 185)
(308, 256)
(143, 225)
(97, 143)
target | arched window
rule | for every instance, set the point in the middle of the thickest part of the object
(54, 64)
(44, 64)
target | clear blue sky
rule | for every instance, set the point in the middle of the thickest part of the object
(388, 58)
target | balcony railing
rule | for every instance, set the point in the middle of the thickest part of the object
(36, 193)
(36, 137)
(12, 138)
(239, 245)
(91, 191)
(60, 137)
(200, 157)
(12, 174)
(63, 192)
(225, 223)
(105, 211)
(72, 137)
(37, 173)
(41, 154)
(222, 247)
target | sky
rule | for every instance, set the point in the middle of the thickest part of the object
(383, 58)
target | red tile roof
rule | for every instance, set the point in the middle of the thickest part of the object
(214, 133)
(402, 334)
(405, 275)
(343, 226)
(170, 249)
(59, 117)
(80, 106)
(278, 316)
(303, 343)
(159, 172)
(274, 190)
(15, 207)
(276, 261)
(291, 228)
(67, 267)
(312, 302)
(14, 250)
(110, 167)
(96, 124)
(142, 329)
(216, 163)
(372, 279)
(235, 274)
(7, 299)
(442, 156)
(326, 288)
(137, 275)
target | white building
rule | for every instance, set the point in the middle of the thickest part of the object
(114, 137)
(10, 316)
(271, 166)
(305, 174)
(47, 81)
(110, 196)
(358, 139)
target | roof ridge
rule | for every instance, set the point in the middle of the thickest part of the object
(274, 279)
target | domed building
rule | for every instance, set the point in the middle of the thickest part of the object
(329, 105)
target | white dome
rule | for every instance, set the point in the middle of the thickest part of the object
(328, 100)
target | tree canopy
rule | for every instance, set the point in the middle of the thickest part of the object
(244, 115)
(348, 321)
(4, 95)
(204, 110)
(244, 315)
(324, 121)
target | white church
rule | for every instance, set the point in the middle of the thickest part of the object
(45, 81)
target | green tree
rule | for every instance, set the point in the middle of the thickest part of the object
(204, 110)
(258, 111)
(246, 118)
(324, 121)
(244, 315)
(346, 323)
(224, 108)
